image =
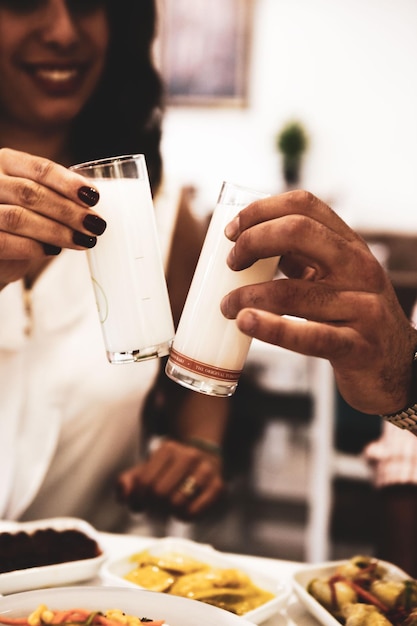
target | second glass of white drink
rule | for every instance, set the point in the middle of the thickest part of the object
(209, 351)
(126, 265)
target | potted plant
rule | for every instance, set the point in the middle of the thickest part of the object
(292, 142)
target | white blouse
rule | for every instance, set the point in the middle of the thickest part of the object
(69, 420)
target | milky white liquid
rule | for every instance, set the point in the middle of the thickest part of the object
(127, 270)
(203, 333)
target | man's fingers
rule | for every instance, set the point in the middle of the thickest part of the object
(314, 301)
(298, 335)
(296, 235)
(290, 203)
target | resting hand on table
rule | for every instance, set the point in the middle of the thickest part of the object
(179, 478)
(43, 207)
(351, 315)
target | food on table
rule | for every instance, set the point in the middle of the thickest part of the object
(358, 614)
(334, 595)
(181, 575)
(151, 577)
(172, 561)
(45, 546)
(361, 593)
(42, 616)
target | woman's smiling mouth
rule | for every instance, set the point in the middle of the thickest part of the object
(56, 80)
(58, 75)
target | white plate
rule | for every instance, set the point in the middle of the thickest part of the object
(174, 610)
(304, 576)
(51, 575)
(114, 570)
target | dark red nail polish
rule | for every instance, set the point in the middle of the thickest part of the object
(80, 239)
(94, 224)
(51, 250)
(88, 195)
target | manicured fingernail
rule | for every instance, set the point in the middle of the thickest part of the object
(83, 240)
(51, 250)
(232, 229)
(88, 195)
(94, 224)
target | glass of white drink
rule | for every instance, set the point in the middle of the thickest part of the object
(209, 351)
(126, 264)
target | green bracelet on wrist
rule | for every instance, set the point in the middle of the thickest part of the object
(204, 445)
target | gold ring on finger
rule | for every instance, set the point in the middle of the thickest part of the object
(189, 487)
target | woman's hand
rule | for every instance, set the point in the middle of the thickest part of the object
(177, 478)
(349, 312)
(43, 207)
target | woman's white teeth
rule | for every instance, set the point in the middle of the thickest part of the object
(57, 75)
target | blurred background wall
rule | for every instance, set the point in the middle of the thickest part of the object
(347, 69)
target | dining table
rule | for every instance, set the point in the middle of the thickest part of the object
(292, 613)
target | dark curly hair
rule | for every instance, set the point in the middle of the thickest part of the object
(124, 115)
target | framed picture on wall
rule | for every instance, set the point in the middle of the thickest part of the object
(203, 51)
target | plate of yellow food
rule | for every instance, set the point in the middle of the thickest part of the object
(361, 591)
(184, 568)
